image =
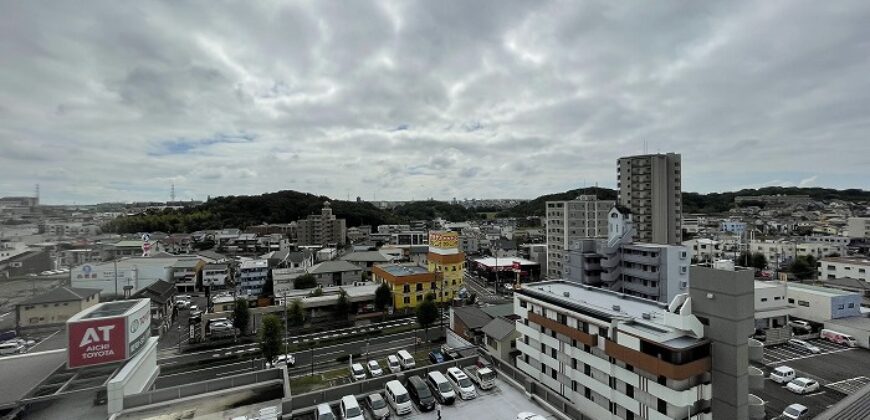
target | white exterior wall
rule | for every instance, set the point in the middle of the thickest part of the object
(829, 269)
(859, 227)
(809, 306)
(136, 272)
(782, 251)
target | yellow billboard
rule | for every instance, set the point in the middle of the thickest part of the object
(444, 240)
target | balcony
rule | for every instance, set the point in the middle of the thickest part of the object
(580, 336)
(655, 365)
(640, 259)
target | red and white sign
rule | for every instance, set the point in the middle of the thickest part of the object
(96, 342)
(517, 267)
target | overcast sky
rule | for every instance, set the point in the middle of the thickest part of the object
(101, 101)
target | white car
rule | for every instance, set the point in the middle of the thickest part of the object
(530, 416)
(796, 412)
(283, 359)
(324, 412)
(462, 383)
(393, 364)
(349, 408)
(803, 386)
(357, 372)
(182, 304)
(804, 345)
(800, 325)
(374, 368)
(782, 374)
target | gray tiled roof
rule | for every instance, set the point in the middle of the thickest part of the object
(61, 294)
(499, 328)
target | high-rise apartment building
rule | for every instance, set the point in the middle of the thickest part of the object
(321, 229)
(614, 356)
(650, 186)
(569, 221)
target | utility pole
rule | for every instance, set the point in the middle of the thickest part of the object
(284, 296)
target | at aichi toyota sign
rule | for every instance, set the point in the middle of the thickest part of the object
(108, 332)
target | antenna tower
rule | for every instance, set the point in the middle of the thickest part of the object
(172, 193)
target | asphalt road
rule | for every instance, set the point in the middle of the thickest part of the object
(484, 294)
(246, 359)
(835, 370)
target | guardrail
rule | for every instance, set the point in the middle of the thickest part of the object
(263, 377)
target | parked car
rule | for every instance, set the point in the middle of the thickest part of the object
(803, 326)
(405, 359)
(462, 383)
(377, 406)
(182, 304)
(374, 368)
(838, 337)
(805, 346)
(393, 364)
(420, 393)
(193, 308)
(441, 387)
(323, 412)
(283, 359)
(436, 356)
(803, 386)
(483, 377)
(397, 396)
(782, 374)
(12, 347)
(796, 412)
(357, 372)
(349, 408)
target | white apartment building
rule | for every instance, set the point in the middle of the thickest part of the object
(215, 275)
(842, 267)
(569, 221)
(253, 275)
(859, 227)
(650, 186)
(774, 250)
(614, 356)
(705, 249)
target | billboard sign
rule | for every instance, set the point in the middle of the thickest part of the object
(446, 240)
(108, 332)
(96, 342)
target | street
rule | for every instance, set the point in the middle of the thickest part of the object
(484, 294)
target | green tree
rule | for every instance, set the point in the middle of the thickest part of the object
(241, 315)
(759, 261)
(295, 313)
(270, 337)
(803, 267)
(316, 292)
(305, 281)
(342, 306)
(427, 313)
(383, 296)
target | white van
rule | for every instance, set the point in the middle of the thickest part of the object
(398, 397)
(406, 360)
(462, 383)
(838, 337)
(782, 375)
(349, 408)
(393, 364)
(12, 347)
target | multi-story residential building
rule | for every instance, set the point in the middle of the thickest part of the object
(568, 221)
(359, 234)
(705, 249)
(409, 283)
(79, 256)
(820, 249)
(186, 272)
(776, 251)
(613, 356)
(322, 229)
(390, 229)
(859, 227)
(651, 271)
(216, 275)
(733, 226)
(252, 277)
(843, 267)
(69, 229)
(650, 186)
(447, 262)
(410, 237)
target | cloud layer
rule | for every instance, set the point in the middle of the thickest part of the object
(401, 100)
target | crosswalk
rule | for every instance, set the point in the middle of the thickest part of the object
(784, 353)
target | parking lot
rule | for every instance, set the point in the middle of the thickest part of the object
(840, 371)
(502, 402)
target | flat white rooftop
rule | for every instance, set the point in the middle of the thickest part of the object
(601, 300)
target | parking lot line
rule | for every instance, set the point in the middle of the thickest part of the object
(807, 356)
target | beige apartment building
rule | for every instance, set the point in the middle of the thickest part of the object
(567, 221)
(650, 186)
(55, 307)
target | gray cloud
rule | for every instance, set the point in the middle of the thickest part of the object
(397, 100)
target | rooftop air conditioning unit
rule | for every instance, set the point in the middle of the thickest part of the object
(566, 294)
(616, 308)
(647, 315)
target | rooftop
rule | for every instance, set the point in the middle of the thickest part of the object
(186, 263)
(826, 291)
(333, 267)
(254, 264)
(499, 328)
(847, 260)
(503, 262)
(366, 256)
(61, 294)
(400, 270)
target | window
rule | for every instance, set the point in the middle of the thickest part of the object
(587, 370)
(851, 305)
(407, 288)
(587, 393)
(524, 304)
(573, 363)
(553, 373)
(803, 303)
(419, 287)
(790, 300)
(574, 386)
(764, 299)
(841, 307)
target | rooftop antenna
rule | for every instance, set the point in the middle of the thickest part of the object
(172, 193)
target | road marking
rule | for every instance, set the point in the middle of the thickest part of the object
(46, 338)
(808, 356)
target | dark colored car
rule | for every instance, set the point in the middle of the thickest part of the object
(420, 393)
(437, 356)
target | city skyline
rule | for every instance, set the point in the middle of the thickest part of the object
(105, 103)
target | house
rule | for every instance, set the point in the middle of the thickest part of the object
(54, 307)
(216, 276)
(336, 273)
(500, 338)
(27, 262)
(367, 259)
(468, 322)
(186, 273)
(162, 294)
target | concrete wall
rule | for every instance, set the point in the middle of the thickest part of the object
(136, 376)
(167, 395)
(816, 306)
(724, 302)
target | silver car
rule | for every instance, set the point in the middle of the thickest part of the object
(378, 407)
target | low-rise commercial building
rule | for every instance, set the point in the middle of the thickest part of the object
(842, 267)
(125, 276)
(54, 307)
(409, 283)
(186, 273)
(820, 304)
